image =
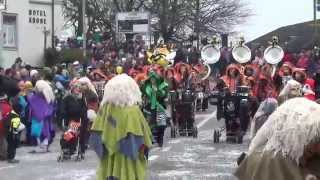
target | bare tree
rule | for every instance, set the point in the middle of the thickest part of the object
(100, 13)
(217, 16)
(72, 11)
(177, 18)
(172, 15)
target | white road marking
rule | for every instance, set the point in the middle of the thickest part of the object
(153, 157)
(6, 167)
(202, 123)
(166, 149)
(154, 149)
(175, 141)
(173, 173)
(76, 175)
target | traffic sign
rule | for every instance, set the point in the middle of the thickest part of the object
(133, 22)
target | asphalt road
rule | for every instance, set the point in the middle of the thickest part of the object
(180, 159)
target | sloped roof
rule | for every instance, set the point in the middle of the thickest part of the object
(293, 37)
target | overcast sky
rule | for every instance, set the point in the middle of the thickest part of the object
(272, 14)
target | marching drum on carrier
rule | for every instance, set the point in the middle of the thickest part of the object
(183, 113)
(232, 99)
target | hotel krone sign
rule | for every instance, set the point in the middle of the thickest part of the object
(37, 16)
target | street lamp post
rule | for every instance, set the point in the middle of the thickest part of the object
(84, 29)
(52, 19)
(198, 24)
(46, 33)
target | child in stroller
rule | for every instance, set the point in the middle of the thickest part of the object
(70, 142)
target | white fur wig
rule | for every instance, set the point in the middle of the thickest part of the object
(45, 88)
(122, 90)
(85, 80)
(293, 87)
(292, 127)
(33, 72)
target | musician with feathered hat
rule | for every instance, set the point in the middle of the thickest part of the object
(232, 77)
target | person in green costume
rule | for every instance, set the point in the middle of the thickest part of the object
(287, 146)
(155, 90)
(120, 135)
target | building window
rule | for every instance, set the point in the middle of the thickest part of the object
(9, 31)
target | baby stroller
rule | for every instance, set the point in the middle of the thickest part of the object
(183, 114)
(70, 143)
(234, 108)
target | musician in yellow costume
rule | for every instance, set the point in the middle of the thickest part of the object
(121, 136)
(158, 56)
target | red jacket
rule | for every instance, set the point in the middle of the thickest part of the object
(5, 110)
(309, 88)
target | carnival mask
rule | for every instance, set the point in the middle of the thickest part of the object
(311, 151)
(295, 91)
(169, 75)
(233, 73)
(286, 71)
(249, 72)
(298, 77)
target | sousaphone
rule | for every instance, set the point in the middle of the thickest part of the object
(274, 53)
(241, 53)
(206, 72)
(210, 53)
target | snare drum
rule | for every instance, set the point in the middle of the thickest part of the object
(179, 94)
(243, 91)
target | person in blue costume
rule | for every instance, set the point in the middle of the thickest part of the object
(42, 108)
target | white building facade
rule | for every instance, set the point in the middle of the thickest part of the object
(26, 27)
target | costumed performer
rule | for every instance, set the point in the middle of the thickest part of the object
(266, 108)
(291, 90)
(287, 147)
(80, 104)
(120, 134)
(155, 90)
(42, 108)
